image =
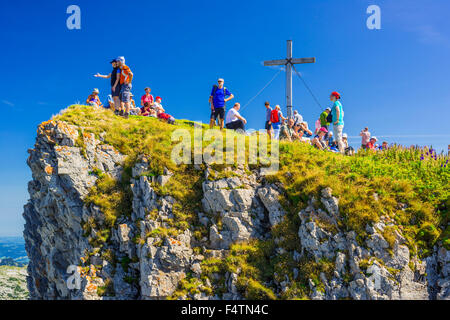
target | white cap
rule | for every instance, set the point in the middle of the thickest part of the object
(121, 58)
(96, 90)
(344, 135)
(375, 138)
(220, 80)
(328, 108)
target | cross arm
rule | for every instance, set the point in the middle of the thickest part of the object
(281, 62)
(303, 60)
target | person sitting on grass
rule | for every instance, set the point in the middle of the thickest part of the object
(303, 139)
(331, 144)
(371, 144)
(147, 97)
(234, 121)
(384, 146)
(110, 104)
(133, 109)
(303, 126)
(161, 113)
(319, 140)
(349, 151)
(147, 111)
(93, 99)
(287, 131)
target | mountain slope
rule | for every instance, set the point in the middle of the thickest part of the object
(106, 197)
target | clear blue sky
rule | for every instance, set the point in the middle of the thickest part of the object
(394, 80)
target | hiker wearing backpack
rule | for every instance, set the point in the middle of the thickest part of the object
(324, 116)
(337, 114)
(275, 118)
(126, 76)
(219, 96)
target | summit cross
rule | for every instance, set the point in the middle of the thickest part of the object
(289, 62)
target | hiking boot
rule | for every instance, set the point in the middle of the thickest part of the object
(116, 112)
(125, 115)
(121, 113)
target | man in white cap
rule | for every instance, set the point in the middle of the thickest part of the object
(219, 96)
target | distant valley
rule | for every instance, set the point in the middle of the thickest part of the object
(12, 252)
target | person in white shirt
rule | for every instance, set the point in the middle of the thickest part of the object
(234, 120)
(297, 118)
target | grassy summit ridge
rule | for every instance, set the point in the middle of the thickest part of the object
(408, 186)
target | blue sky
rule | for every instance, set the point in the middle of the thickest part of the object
(394, 80)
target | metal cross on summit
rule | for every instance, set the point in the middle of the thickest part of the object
(289, 62)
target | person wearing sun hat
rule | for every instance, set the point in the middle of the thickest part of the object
(133, 109)
(337, 113)
(93, 99)
(371, 143)
(319, 139)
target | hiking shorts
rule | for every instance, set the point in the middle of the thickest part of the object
(125, 92)
(268, 125)
(116, 92)
(218, 112)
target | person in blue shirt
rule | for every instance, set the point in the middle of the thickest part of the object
(219, 96)
(337, 113)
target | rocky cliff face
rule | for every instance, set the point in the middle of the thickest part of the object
(139, 261)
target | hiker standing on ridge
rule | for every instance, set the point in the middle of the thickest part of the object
(275, 117)
(324, 123)
(126, 76)
(337, 113)
(115, 85)
(217, 99)
(365, 137)
(268, 125)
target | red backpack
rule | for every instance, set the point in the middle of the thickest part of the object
(274, 116)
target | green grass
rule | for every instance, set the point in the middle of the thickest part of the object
(397, 176)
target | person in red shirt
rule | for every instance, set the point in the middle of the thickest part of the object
(147, 97)
(371, 144)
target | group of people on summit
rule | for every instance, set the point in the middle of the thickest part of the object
(121, 99)
(277, 126)
(280, 127)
